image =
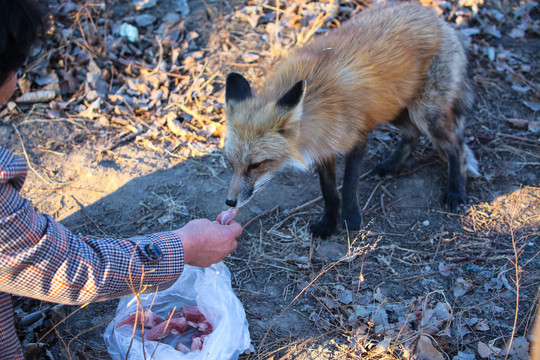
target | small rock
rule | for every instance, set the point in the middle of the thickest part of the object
(516, 33)
(332, 251)
(130, 32)
(145, 20)
(425, 223)
(256, 210)
(491, 54)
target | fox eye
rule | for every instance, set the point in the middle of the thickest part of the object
(254, 166)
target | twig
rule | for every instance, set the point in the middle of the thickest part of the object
(83, 209)
(56, 325)
(372, 193)
(516, 267)
(433, 272)
(27, 158)
(261, 215)
(517, 138)
(384, 212)
(120, 142)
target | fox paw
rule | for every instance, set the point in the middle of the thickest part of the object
(384, 168)
(453, 200)
(323, 228)
(351, 220)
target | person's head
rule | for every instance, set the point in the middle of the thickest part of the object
(20, 25)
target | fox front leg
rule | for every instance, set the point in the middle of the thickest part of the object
(327, 225)
(351, 217)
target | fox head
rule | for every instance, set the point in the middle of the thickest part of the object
(262, 136)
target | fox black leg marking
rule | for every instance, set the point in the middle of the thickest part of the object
(350, 211)
(406, 145)
(455, 194)
(448, 140)
(327, 225)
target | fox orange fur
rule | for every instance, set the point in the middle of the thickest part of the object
(396, 63)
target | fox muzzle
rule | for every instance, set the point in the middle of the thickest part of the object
(231, 202)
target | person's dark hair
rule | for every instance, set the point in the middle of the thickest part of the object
(21, 23)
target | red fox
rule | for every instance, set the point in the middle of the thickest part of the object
(396, 63)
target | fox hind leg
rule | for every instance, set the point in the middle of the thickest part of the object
(406, 145)
(446, 135)
(327, 225)
(350, 210)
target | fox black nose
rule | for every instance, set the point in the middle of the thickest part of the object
(231, 202)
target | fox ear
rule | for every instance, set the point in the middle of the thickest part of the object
(236, 88)
(289, 108)
(293, 97)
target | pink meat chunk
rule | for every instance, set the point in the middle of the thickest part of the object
(175, 313)
(193, 314)
(204, 327)
(197, 342)
(149, 318)
(174, 326)
(226, 217)
(182, 348)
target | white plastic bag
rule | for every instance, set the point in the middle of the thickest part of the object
(210, 290)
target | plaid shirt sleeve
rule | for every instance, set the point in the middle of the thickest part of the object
(42, 259)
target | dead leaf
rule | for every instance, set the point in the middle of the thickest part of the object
(174, 125)
(533, 105)
(485, 350)
(250, 57)
(301, 261)
(519, 349)
(482, 325)
(346, 297)
(518, 123)
(534, 127)
(143, 4)
(462, 287)
(464, 356)
(426, 351)
(90, 112)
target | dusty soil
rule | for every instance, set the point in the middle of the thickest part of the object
(411, 256)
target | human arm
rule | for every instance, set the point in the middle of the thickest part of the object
(40, 258)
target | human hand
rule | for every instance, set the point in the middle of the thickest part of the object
(207, 242)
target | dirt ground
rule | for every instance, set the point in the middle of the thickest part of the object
(415, 274)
